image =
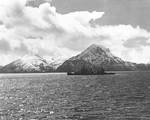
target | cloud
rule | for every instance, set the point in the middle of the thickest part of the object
(37, 3)
(42, 30)
(21, 49)
(137, 42)
(4, 46)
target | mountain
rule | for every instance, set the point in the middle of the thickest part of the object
(1, 67)
(143, 67)
(76, 65)
(55, 62)
(28, 63)
(98, 56)
(95, 58)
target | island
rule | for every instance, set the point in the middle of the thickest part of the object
(85, 70)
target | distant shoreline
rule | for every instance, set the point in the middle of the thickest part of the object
(107, 72)
(37, 73)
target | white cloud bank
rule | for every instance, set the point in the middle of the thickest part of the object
(26, 29)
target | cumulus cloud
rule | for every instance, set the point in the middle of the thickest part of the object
(42, 30)
(36, 3)
(137, 42)
(4, 46)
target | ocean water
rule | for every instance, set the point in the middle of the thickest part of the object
(123, 96)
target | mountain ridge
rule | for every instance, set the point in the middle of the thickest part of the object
(28, 63)
(94, 55)
(102, 57)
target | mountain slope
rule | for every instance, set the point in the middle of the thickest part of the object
(100, 56)
(28, 63)
(143, 67)
(1, 67)
(55, 62)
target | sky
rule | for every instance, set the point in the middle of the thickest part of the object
(64, 28)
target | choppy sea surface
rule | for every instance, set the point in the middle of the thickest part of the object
(123, 96)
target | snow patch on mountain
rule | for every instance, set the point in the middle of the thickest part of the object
(55, 62)
(100, 56)
(28, 63)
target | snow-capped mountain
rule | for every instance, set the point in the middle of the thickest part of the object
(100, 56)
(1, 67)
(55, 62)
(94, 55)
(29, 63)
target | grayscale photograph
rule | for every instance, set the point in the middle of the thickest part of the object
(74, 59)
